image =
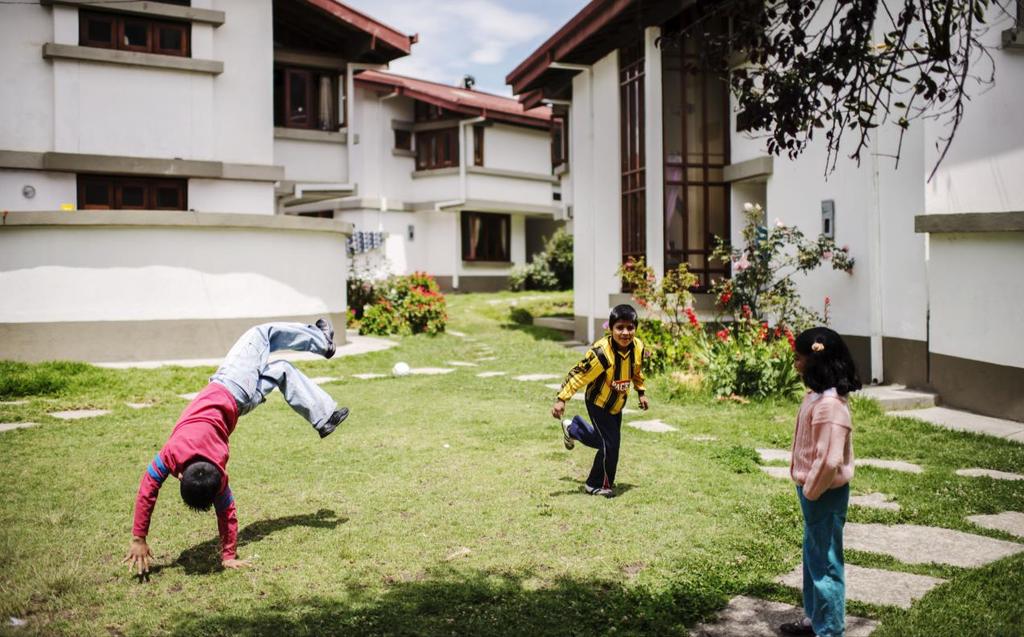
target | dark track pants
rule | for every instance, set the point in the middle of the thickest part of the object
(603, 435)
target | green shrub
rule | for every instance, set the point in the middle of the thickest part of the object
(380, 319)
(550, 269)
(18, 380)
(407, 304)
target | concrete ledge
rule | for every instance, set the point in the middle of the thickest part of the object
(149, 166)
(971, 222)
(107, 341)
(435, 172)
(310, 59)
(757, 169)
(307, 135)
(129, 218)
(153, 9)
(487, 205)
(1013, 40)
(512, 174)
(401, 152)
(53, 51)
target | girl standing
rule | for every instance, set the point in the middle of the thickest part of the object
(822, 466)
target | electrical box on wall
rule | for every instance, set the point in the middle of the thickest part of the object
(411, 232)
(828, 218)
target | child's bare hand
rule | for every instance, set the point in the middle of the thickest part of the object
(139, 555)
(558, 410)
(644, 404)
(236, 563)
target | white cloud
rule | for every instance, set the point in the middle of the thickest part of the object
(458, 37)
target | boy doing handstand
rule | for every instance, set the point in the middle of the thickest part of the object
(607, 371)
(197, 451)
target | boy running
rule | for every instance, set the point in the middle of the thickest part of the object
(607, 371)
(197, 451)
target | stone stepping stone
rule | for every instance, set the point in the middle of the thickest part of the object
(773, 455)
(965, 421)
(368, 376)
(320, 380)
(893, 465)
(874, 501)
(78, 414)
(630, 410)
(874, 586)
(655, 426)
(189, 396)
(782, 473)
(430, 371)
(751, 617)
(139, 405)
(578, 397)
(529, 377)
(989, 473)
(706, 438)
(554, 386)
(490, 374)
(456, 333)
(11, 426)
(1011, 522)
(462, 364)
(915, 544)
(14, 402)
(484, 359)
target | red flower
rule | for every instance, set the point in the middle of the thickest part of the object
(724, 297)
(692, 317)
(792, 341)
(746, 311)
(762, 333)
(723, 334)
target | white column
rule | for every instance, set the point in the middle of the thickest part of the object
(654, 181)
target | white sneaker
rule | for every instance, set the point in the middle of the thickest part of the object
(608, 493)
(566, 438)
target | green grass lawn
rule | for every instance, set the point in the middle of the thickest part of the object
(446, 505)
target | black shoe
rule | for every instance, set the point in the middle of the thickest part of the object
(333, 422)
(325, 327)
(796, 628)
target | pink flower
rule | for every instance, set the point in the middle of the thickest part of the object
(845, 248)
(742, 264)
(723, 334)
(826, 255)
(604, 325)
(692, 317)
(778, 223)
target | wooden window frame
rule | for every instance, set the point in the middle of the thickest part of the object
(437, 148)
(313, 77)
(467, 251)
(427, 112)
(686, 76)
(559, 140)
(115, 185)
(403, 134)
(118, 24)
(631, 151)
(478, 146)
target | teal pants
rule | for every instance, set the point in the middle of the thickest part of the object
(824, 577)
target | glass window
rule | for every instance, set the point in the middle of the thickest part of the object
(113, 192)
(485, 236)
(133, 33)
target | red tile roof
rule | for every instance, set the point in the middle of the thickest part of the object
(460, 100)
(376, 29)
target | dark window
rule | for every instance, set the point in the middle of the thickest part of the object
(631, 133)
(103, 192)
(437, 148)
(559, 140)
(403, 139)
(134, 33)
(430, 113)
(485, 236)
(478, 145)
(696, 145)
(307, 98)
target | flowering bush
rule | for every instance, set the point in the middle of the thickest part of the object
(550, 269)
(410, 304)
(763, 270)
(749, 359)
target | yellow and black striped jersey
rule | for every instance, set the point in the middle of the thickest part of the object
(607, 374)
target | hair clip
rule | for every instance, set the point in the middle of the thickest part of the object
(818, 347)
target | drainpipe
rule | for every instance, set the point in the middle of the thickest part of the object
(381, 190)
(589, 71)
(463, 193)
(875, 268)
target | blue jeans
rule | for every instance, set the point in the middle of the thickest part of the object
(824, 577)
(604, 436)
(249, 377)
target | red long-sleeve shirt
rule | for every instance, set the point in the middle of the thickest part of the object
(202, 431)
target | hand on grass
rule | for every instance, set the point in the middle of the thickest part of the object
(644, 403)
(558, 410)
(139, 555)
(236, 563)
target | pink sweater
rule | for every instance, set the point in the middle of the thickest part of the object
(822, 457)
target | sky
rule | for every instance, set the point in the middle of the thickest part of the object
(482, 38)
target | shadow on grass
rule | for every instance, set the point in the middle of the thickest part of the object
(621, 488)
(203, 559)
(538, 333)
(476, 603)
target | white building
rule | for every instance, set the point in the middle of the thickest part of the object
(656, 168)
(458, 180)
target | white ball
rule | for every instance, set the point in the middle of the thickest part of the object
(400, 369)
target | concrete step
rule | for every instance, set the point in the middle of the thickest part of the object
(966, 421)
(898, 397)
(567, 325)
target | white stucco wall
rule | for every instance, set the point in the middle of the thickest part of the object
(221, 195)
(68, 273)
(52, 189)
(26, 123)
(312, 162)
(515, 148)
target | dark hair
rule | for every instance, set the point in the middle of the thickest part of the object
(622, 312)
(829, 363)
(200, 484)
